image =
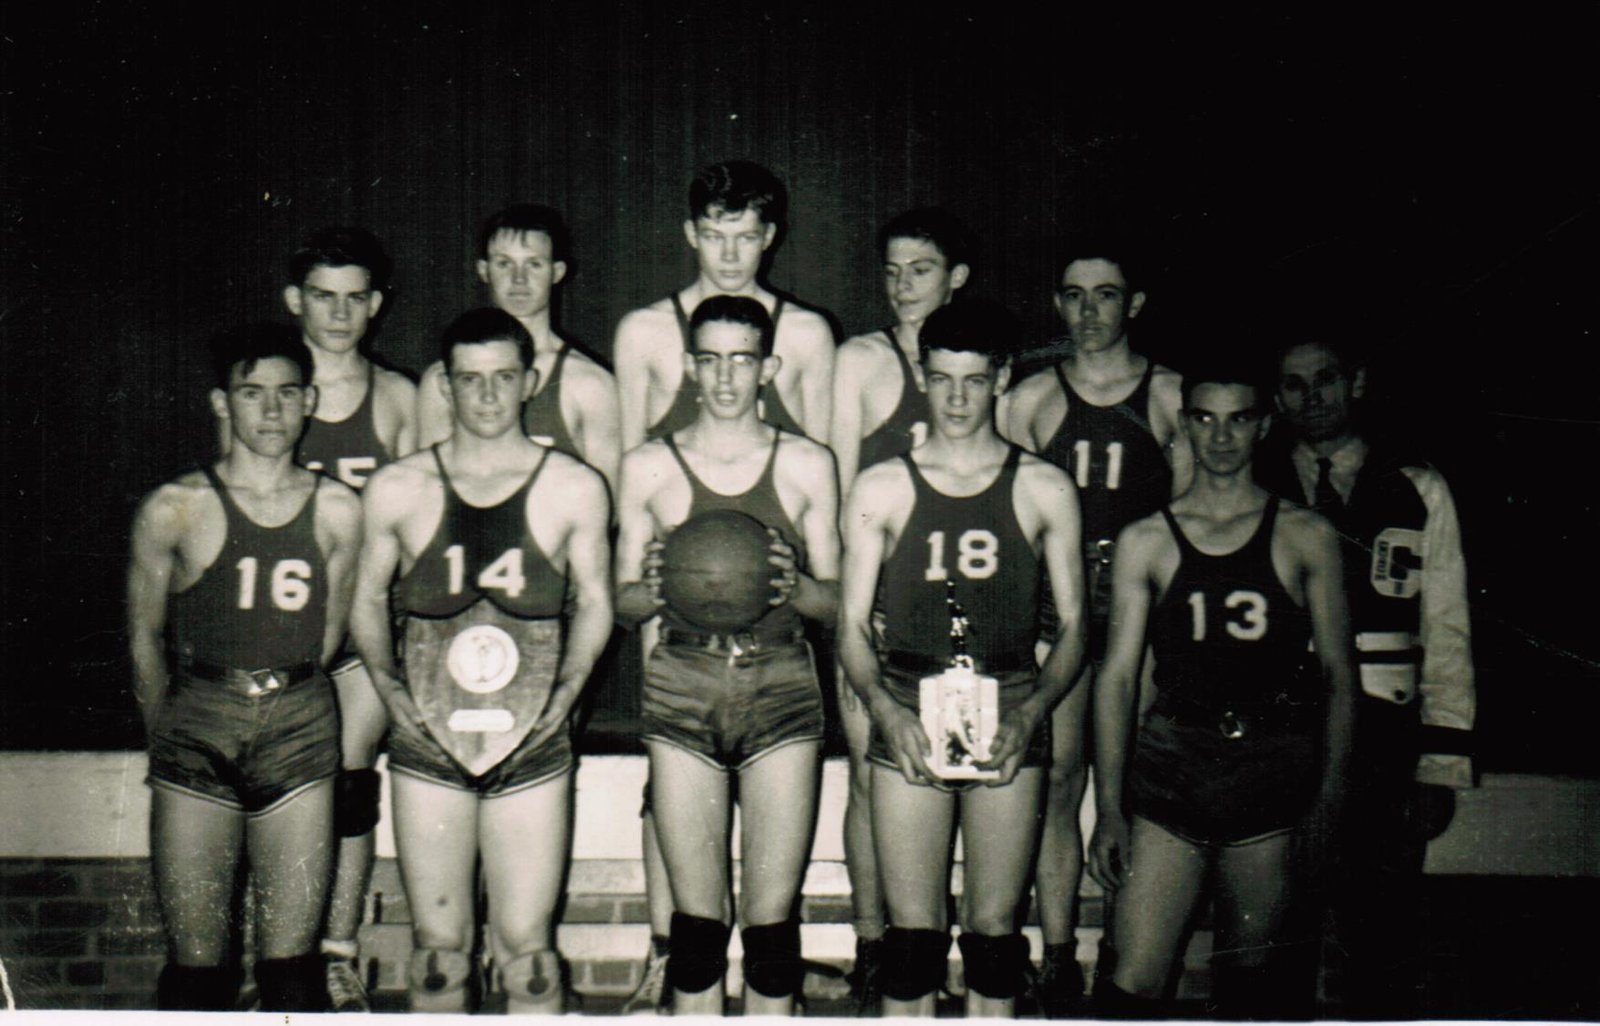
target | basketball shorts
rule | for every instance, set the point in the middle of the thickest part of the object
(1194, 781)
(731, 709)
(246, 752)
(419, 755)
(905, 687)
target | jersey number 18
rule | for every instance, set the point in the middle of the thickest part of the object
(977, 555)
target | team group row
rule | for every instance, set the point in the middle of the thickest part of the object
(990, 527)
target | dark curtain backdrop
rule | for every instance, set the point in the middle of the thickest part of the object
(1424, 185)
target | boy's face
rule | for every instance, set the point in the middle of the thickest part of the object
(265, 406)
(728, 365)
(521, 272)
(1094, 301)
(486, 385)
(728, 247)
(1224, 422)
(334, 306)
(918, 278)
(962, 388)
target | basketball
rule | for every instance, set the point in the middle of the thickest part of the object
(715, 572)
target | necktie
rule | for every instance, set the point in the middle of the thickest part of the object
(1326, 499)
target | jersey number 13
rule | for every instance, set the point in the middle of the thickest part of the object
(1251, 610)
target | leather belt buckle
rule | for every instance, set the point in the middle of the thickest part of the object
(263, 682)
(1103, 550)
(1230, 726)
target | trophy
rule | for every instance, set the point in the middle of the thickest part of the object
(960, 707)
(481, 679)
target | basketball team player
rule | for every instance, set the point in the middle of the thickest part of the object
(1108, 416)
(1248, 740)
(238, 593)
(490, 531)
(1405, 579)
(365, 418)
(879, 412)
(964, 517)
(747, 704)
(736, 211)
(522, 257)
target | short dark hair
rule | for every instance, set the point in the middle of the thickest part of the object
(734, 186)
(1227, 369)
(1111, 250)
(251, 344)
(936, 225)
(522, 218)
(341, 247)
(972, 326)
(486, 324)
(733, 310)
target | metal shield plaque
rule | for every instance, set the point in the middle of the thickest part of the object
(481, 679)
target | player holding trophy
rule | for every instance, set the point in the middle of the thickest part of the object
(946, 545)
(490, 531)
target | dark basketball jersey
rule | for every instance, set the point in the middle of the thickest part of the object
(1112, 455)
(907, 425)
(264, 601)
(760, 501)
(541, 415)
(1227, 634)
(977, 543)
(686, 404)
(347, 449)
(481, 552)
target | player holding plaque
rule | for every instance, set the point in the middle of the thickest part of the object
(947, 544)
(490, 531)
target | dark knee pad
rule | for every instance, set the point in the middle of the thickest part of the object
(915, 962)
(297, 984)
(436, 980)
(1110, 1001)
(772, 966)
(355, 802)
(993, 966)
(699, 953)
(192, 988)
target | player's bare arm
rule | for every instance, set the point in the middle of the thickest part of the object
(1020, 410)
(648, 354)
(1047, 508)
(582, 534)
(396, 412)
(1315, 546)
(338, 531)
(434, 419)
(805, 344)
(1166, 413)
(806, 481)
(390, 497)
(860, 361)
(155, 570)
(1139, 548)
(874, 517)
(589, 406)
(644, 471)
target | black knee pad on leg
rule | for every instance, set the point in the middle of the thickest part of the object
(915, 962)
(355, 802)
(297, 984)
(772, 966)
(699, 952)
(191, 988)
(992, 966)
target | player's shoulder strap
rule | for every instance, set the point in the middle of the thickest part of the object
(683, 320)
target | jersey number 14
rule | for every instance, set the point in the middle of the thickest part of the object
(503, 575)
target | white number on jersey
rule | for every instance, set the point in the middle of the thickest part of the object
(289, 591)
(977, 555)
(504, 574)
(545, 440)
(1080, 460)
(1252, 623)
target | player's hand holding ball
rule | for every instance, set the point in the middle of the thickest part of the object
(783, 557)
